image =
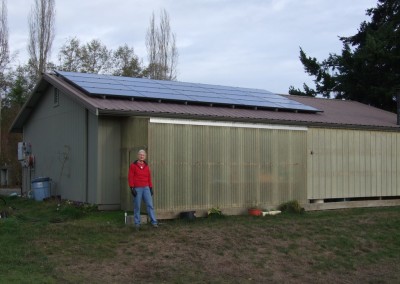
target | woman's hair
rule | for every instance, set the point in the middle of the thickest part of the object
(141, 151)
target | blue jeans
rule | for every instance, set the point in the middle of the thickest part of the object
(143, 192)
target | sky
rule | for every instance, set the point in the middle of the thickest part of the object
(239, 43)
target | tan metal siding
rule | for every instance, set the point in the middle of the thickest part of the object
(93, 142)
(134, 136)
(352, 163)
(109, 161)
(200, 167)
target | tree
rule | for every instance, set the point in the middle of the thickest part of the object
(70, 55)
(4, 55)
(20, 86)
(20, 82)
(4, 51)
(126, 62)
(41, 34)
(161, 49)
(8, 145)
(368, 68)
(95, 57)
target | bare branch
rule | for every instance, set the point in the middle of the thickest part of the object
(41, 34)
(4, 50)
(151, 45)
(161, 49)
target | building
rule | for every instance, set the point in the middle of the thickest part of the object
(85, 129)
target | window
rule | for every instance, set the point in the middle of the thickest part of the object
(56, 101)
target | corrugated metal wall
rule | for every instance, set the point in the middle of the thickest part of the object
(109, 162)
(353, 163)
(200, 167)
(93, 157)
(134, 136)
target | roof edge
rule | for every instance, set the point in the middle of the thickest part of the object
(26, 109)
(69, 90)
(41, 86)
(253, 120)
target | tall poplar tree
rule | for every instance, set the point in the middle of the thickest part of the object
(162, 52)
(41, 34)
(4, 55)
(4, 49)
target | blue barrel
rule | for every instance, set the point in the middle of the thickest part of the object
(41, 188)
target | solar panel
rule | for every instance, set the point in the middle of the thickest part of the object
(111, 92)
(213, 100)
(115, 86)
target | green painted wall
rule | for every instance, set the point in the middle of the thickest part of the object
(57, 134)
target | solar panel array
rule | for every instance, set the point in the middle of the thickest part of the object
(146, 89)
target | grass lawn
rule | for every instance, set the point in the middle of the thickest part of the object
(47, 242)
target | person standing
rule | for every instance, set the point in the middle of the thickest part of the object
(139, 178)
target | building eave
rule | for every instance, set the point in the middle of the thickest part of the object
(44, 82)
(120, 113)
(28, 107)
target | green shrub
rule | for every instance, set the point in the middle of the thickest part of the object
(291, 207)
(215, 213)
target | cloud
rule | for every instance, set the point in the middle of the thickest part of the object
(252, 43)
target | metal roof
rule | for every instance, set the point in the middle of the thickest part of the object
(336, 113)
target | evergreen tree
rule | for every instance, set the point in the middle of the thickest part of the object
(368, 68)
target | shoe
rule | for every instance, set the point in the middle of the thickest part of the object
(137, 227)
(155, 225)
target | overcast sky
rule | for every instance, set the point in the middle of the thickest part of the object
(241, 43)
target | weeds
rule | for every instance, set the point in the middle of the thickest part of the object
(291, 207)
(69, 210)
(215, 213)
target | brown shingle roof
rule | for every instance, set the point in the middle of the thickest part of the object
(336, 113)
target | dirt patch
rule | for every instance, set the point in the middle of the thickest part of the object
(199, 254)
(344, 246)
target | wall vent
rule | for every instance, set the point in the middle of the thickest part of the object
(56, 97)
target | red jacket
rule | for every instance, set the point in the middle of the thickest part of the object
(139, 177)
